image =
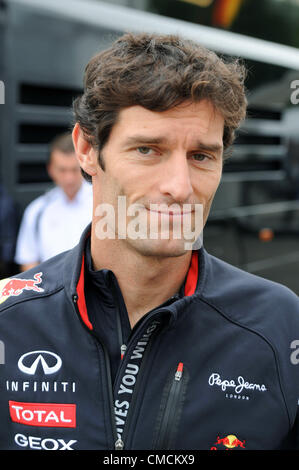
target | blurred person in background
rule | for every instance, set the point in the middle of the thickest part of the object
(8, 233)
(53, 222)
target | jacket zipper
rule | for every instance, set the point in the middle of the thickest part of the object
(119, 443)
(170, 410)
(123, 346)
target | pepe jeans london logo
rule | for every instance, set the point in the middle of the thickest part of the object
(235, 388)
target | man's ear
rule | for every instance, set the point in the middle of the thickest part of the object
(86, 154)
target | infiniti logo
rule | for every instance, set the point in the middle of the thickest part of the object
(28, 363)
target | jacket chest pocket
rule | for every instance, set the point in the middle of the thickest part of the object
(170, 411)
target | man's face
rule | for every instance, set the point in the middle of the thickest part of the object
(65, 172)
(172, 157)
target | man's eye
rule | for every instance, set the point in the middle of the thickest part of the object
(200, 157)
(144, 150)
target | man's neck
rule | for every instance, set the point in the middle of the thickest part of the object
(145, 281)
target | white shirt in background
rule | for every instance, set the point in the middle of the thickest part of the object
(52, 223)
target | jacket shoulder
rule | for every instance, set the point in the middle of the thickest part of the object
(40, 281)
(248, 298)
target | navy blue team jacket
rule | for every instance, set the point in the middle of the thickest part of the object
(217, 369)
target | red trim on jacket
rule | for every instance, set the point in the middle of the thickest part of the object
(190, 287)
(81, 297)
(192, 276)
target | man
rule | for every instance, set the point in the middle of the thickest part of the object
(137, 342)
(53, 222)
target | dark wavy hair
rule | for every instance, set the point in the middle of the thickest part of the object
(157, 72)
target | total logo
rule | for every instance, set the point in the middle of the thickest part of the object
(58, 415)
(38, 443)
(48, 361)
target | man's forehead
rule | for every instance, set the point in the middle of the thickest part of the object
(138, 124)
(188, 109)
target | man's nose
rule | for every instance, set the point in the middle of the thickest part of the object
(176, 178)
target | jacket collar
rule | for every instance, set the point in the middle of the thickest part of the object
(74, 276)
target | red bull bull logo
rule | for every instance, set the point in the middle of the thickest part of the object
(230, 442)
(16, 286)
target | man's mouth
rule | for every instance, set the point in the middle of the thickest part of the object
(171, 213)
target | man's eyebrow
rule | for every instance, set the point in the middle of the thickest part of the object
(198, 145)
(209, 147)
(143, 139)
